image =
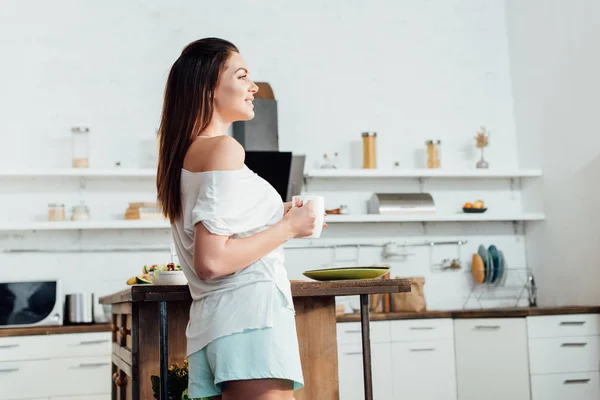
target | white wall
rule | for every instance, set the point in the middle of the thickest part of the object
(410, 70)
(554, 66)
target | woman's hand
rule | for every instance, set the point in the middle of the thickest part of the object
(287, 206)
(301, 218)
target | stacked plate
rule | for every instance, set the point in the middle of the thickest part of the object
(488, 265)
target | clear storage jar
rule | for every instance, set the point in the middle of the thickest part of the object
(433, 151)
(80, 146)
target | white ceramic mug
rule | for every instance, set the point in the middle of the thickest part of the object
(319, 204)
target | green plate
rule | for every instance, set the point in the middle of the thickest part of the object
(346, 273)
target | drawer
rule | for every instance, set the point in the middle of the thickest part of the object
(59, 377)
(350, 332)
(563, 325)
(422, 329)
(567, 354)
(581, 386)
(55, 346)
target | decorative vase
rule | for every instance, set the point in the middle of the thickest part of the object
(482, 164)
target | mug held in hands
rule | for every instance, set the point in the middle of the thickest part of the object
(319, 204)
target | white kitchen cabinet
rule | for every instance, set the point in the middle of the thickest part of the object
(564, 354)
(351, 381)
(83, 397)
(492, 359)
(350, 370)
(77, 366)
(424, 370)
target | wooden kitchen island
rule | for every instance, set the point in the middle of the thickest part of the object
(149, 323)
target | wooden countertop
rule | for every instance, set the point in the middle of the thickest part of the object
(485, 313)
(137, 293)
(54, 330)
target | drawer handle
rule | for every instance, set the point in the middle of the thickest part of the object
(92, 365)
(9, 346)
(575, 381)
(91, 342)
(7, 370)
(487, 327)
(573, 345)
(352, 331)
(353, 353)
(424, 349)
(577, 323)
(421, 328)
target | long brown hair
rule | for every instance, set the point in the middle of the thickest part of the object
(187, 111)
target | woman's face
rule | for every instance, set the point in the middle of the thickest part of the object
(235, 91)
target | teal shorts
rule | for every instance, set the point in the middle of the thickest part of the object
(252, 354)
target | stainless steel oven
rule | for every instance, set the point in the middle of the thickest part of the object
(31, 303)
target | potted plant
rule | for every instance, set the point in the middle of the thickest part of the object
(178, 382)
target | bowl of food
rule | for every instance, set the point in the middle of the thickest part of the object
(167, 274)
(475, 208)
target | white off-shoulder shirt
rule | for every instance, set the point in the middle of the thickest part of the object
(236, 203)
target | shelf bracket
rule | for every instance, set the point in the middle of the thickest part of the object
(421, 184)
(515, 225)
(424, 227)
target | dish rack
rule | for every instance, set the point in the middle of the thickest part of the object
(513, 285)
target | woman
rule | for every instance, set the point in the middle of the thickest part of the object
(229, 226)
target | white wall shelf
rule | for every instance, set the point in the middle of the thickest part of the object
(421, 173)
(458, 217)
(80, 173)
(75, 225)
(330, 219)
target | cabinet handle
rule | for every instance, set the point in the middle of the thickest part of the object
(90, 342)
(487, 327)
(121, 381)
(7, 370)
(572, 323)
(352, 331)
(353, 353)
(124, 332)
(421, 328)
(9, 346)
(92, 365)
(573, 345)
(425, 349)
(575, 381)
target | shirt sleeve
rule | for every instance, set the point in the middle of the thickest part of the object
(232, 204)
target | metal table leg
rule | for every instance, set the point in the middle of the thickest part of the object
(164, 351)
(366, 345)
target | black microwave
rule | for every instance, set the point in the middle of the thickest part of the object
(30, 303)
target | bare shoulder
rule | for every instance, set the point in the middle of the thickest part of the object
(217, 153)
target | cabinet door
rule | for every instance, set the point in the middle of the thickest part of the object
(351, 379)
(491, 359)
(84, 397)
(424, 370)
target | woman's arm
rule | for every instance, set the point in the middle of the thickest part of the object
(217, 255)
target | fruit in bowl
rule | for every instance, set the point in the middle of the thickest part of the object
(475, 207)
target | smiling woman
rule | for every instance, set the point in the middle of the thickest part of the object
(229, 225)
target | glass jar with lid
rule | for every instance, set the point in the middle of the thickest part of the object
(369, 140)
(80, 213)
(56, 212)
(80, 146)
(433, 153)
